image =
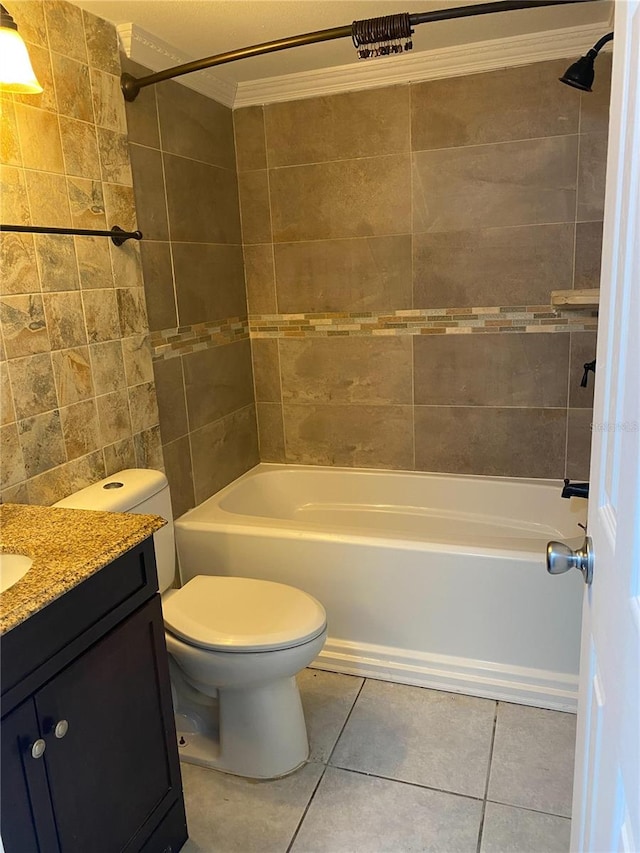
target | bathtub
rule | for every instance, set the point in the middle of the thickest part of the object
(428, 579)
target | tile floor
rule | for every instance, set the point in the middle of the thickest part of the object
(393, 769)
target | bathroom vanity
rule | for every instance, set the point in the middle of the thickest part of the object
(89, 756)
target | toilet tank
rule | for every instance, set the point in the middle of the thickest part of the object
(138, 490)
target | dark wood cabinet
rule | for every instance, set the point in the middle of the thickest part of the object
(109, 778)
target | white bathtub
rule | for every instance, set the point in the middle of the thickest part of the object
(427, 579)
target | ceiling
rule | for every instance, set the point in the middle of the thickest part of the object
(201, 28)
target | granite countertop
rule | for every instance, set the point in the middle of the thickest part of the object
(67, 546)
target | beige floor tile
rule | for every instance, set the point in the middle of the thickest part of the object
(327, 698)
(352, 813)
(229, 814)
(441, 740)
(511, 830)
(533, 757)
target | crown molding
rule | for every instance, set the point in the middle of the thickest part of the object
(427, 65)
(155, 53)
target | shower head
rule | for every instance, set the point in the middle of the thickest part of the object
(580, 75)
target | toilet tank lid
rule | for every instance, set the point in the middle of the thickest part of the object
(119, 493)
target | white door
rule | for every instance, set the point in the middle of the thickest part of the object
(606, 804)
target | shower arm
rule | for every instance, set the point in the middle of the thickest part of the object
(131, 85)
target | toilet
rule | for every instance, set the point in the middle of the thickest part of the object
(235, 646)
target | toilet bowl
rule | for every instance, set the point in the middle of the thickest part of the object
(235, 646)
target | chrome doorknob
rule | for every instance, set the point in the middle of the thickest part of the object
(561, 558)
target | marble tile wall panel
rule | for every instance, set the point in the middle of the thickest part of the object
(78, 399)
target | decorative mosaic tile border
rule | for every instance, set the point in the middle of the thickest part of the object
(171, 343)
(431, 321)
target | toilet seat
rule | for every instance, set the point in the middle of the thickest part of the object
(242, 614)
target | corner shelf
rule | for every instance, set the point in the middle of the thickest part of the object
(586, 298)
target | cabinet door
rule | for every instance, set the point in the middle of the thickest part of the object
(114, 767)
(26, 819)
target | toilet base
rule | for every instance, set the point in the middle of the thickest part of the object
(257, 732)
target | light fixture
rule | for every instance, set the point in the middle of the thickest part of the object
(16, 72)
(580, 75)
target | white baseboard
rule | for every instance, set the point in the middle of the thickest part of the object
(522, 685)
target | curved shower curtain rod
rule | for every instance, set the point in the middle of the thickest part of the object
(131, 85)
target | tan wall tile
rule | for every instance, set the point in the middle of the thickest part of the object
(250, 138)
(350, 435)
(41, 63)
(513, 183)
(80, 148)
(218, 382)
(119, 455)
(588, 257)
(72, 372)
(126, 263)
(30, 19)
(209, 282)
(266, 370)
(579, 443)
(57, 262)
(142, 114)
(49, 487)
(270, 432)
(132, 311)
(102, 43)
(338, 127)
(592, 167)
(259, 279)
(594, 106)
(143, 406)
(177, 460)
(107, 367)
(137, 359)
(80, 428)
(17, 494)
(492, 370)
(347, 370)
(42, 442)
(255, 206)
(108, 103)
(158, 280)
(492, 266)
(14, 203)
(114, 157)
(12, 468)
(18, 269)
(84, 471)
(65, 319)
(40, 137)
(24, 325)
(148, 185)
(350, 198)
(114, 419)
(120, 206)
(33, 386)
(524, 102)
(48, 199)
(10, 153)
(73, 88)
(361, 274)
(7, 409)
(65, 29)
(148, 448)
(101, 315)
(171, 399)
(87, 202)
(94, 262)
(480, 440)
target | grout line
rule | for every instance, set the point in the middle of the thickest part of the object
(348, 717)
(486, 785)
(405, 782)
(530, 809)
(306, 809)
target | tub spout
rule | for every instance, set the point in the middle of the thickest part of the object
(575, 490)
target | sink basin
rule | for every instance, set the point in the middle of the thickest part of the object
(12, 568)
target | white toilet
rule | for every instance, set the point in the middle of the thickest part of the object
(235, 646)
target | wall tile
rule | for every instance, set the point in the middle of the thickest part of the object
(266, 370)
(491, 370)
(338, 127)
(158, 281)
(202, 202)
(250, 138)
(148, 185)
(270, 432)
(132, 311)
(80, 428)
(350, 435)
(120, 206)
(579, 444)
(10, 153)
(14, 203)
(48, 200)
(171, 399)
(17, 494)
(65, 29)
(73, 87)
(85, 470)
(583, 350)
(366, 274)
(32, 383)
(588, 254)
(80, 148)
(94, 262)
(24, 325)
(138, 366)
(119, 456)
(492, 266)
(87, 201)
(350, 198)
(260, 279)
(40, 135)
(255, 207)
(592, 167)
(177, 460)
(347, 370)
(114, 157)
(102, 43)
(30, 18)
(513, 103)
(223, 450)
(42, 443)
(218, 382)
(513, 183)
(72, 372)
(50, 486)
(594, 106)
(65, 320)
(12, 469)
(101, 315)
(195, 126)
(126, 263)
(209, 282)
(108, 103)
(142, 114)
(480, 440)
(19, 272)
(114, 419)
(7, 409)
(107, 367)
(41, 63)
(148, 448)
(57, 262)
(143, 406)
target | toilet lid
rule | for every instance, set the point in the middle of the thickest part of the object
(242, 614)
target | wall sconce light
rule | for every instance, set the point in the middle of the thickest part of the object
(16, 72)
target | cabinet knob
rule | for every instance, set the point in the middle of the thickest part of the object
(61, 728)
(38, 748)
